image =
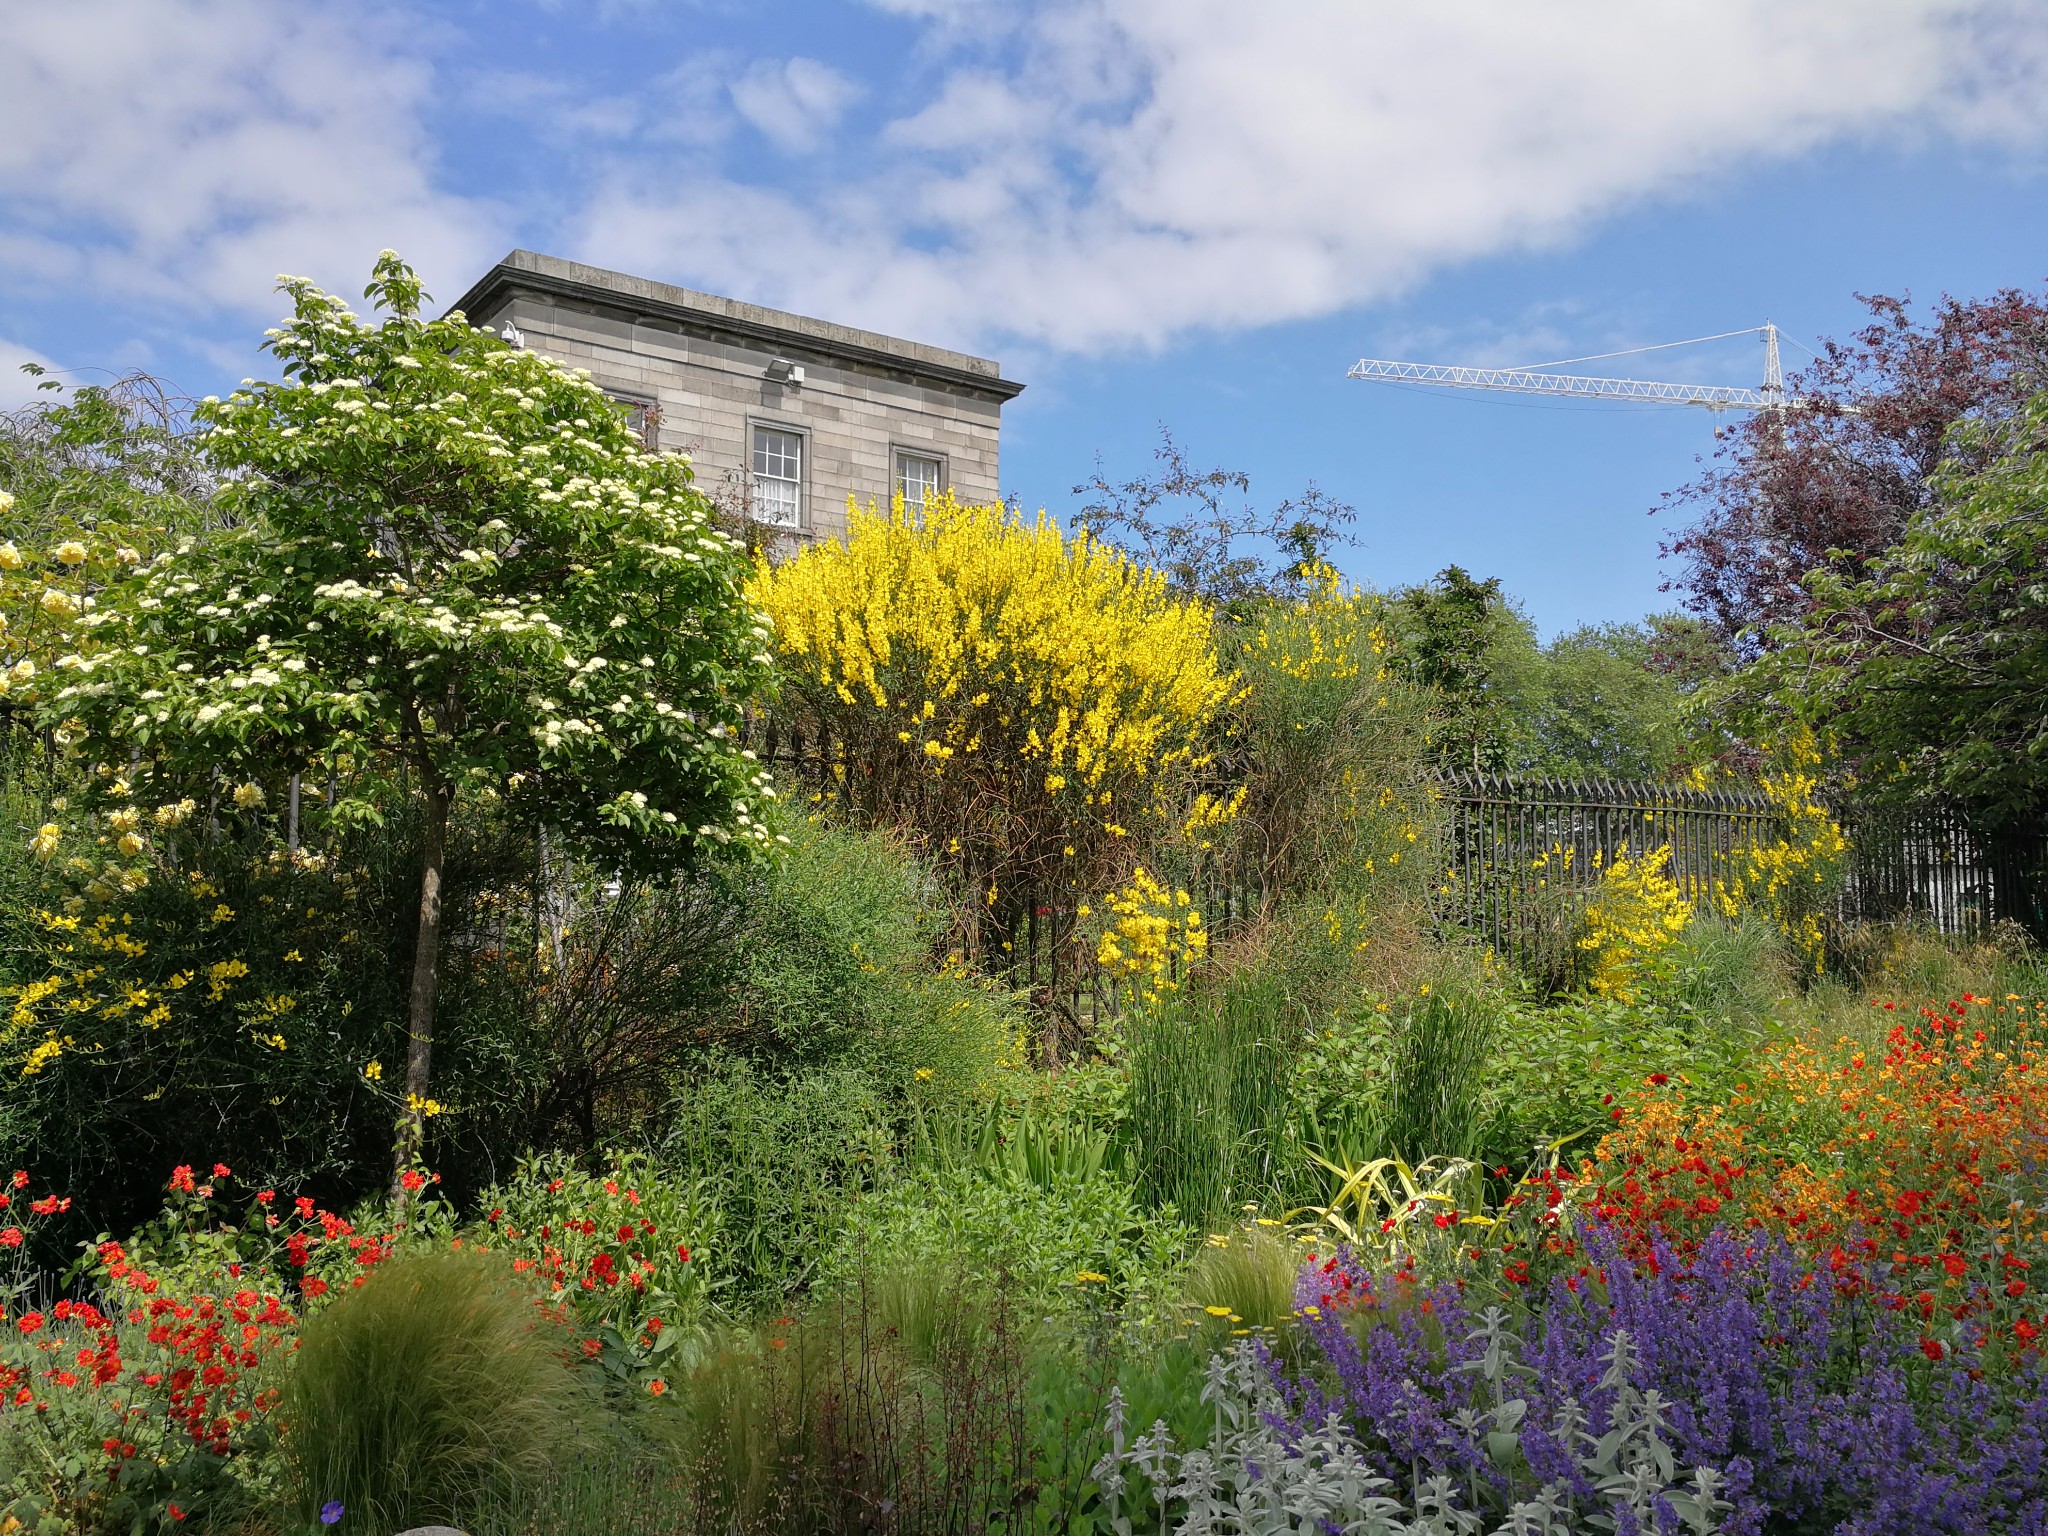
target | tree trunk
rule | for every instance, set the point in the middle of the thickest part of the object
(426, 975)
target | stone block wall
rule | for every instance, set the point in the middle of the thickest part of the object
(705, 364)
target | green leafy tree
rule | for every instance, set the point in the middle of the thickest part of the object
(1606, 709)
(448, 561)
(1464, 639)
(1931, 672)
(119, 460)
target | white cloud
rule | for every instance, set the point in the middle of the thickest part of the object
(17, 388)
(183, 152)
(1131, 169)
(796, 103)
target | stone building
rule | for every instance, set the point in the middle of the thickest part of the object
(785, 415)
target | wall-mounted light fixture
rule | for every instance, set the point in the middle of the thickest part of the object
(783, 371)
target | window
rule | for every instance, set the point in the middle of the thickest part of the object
(778, 477)
(643, 419)
(918, 478)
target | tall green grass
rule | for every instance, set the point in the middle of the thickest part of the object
(436, 1387)
(1209, 1094)
(1437, 1077)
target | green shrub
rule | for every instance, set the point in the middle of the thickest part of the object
(1559, 1068)
(1041, 1245)
(785, 1159)
(435, 1386)
(839, 940)
(1725, 970)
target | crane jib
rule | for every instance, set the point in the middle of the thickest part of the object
(1519, 381)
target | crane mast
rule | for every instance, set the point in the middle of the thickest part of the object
(1531, 381)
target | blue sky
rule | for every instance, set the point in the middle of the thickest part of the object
(1190, 212)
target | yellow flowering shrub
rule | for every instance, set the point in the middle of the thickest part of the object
(1027, 706)
(1790, 879)
(1151, 935)
(1635, 913)
(1329, 741)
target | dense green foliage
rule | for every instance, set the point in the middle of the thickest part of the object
(779, 1193)
(1930, 666)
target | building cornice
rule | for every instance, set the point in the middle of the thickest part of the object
(798, 336)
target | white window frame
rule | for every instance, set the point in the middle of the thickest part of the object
(757, 477)
(898, 452)
(642, 414)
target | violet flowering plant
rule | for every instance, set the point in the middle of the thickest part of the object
(1809, 1404)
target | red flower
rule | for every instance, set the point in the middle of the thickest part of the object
(20, 1179)
(2025, 1331)
(625, 1234)
(181, 1178)
(30, 1322)
(682, 1253)
(10, 1237)
(1659, 1079)
(314, 1287)
(1955, 1264)
(413, 1182)
(1931, 1348)
(221, 1171)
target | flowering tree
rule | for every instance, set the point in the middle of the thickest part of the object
(450, 558)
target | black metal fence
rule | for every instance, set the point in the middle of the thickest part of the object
(1936, 865)
(1519, 856)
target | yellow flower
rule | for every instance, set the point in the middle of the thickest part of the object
(924, 1074)
(425, 1108)
(70, 552)
(10, 557)
(58, 603)
(1089, 1277)
(47, 837)
(1217, 1311)
(130, 844)
(374, 1071)
(248, 796)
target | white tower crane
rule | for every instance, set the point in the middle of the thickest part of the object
(1530, 381)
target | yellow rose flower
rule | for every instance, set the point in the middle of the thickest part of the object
(70, 552)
